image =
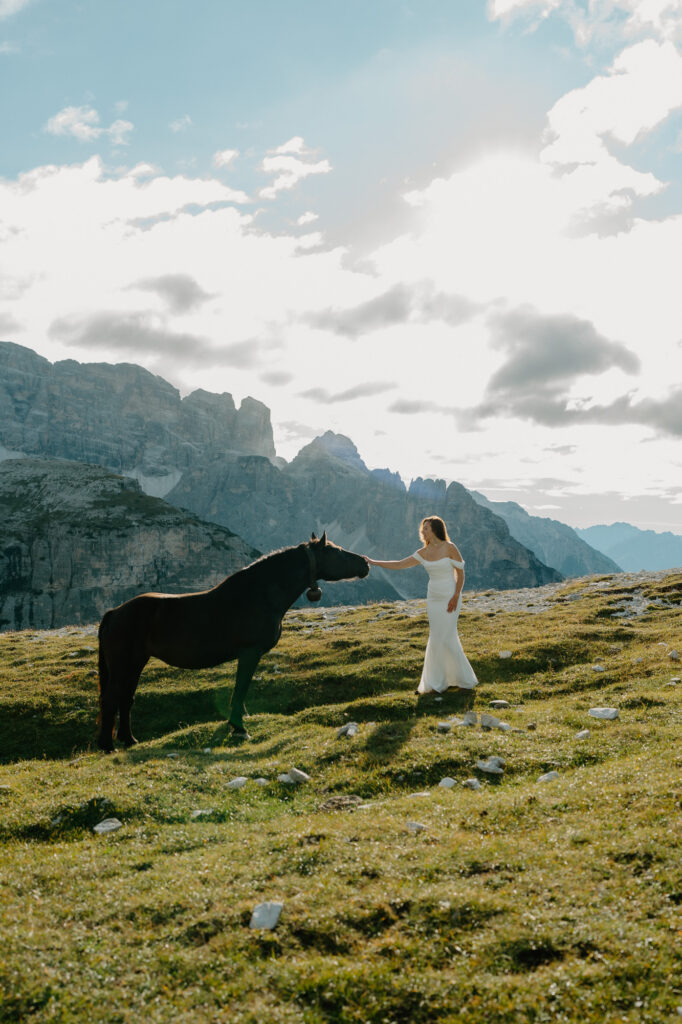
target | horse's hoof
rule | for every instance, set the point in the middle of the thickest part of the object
(239, 734)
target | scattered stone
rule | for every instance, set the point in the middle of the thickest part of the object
(416, 826)
(675, 680)
(297, 775)
(493, 766)
(286, 779)
(598, 659)
(504, 727)
(444, 726)
(349, 729)
(532, 726)
(266, 915)
(207, 750)
(341, 802)
(583, 734)
(638, 661)
(261, 781)
(661, 643)
(521, 731)
(499, 704)
(615, 648)
(674, 655)
(470, 718)
(447, 782)
(598, 668)
(172, 755)
(424, 792)
(549, 777)
(471, 784)
(108, 825)
(609, 714)
(505, 654)
(203, 813)
(237, 783)
(438, 698)
(489, 721)
(5, 788)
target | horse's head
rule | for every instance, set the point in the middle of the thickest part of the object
(335, 563)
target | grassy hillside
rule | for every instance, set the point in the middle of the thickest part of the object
(522, 901)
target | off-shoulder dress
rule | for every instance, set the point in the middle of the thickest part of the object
(445, 663)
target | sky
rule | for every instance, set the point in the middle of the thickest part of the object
(448, 230)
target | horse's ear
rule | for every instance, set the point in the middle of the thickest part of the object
(313, 536)
(323, 538)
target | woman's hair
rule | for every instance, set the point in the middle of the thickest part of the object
(437, 525)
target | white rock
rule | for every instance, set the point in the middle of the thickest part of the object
(470, 718)
(493, 766)
(606, 713)
(108, 825)
(416, 826)
(266, 915)
(297, 775)
(598, 668)
(674, 680)
(447, 782)
(638, 661)
(5, 787)
(203, 813)
(172, 755)
(423, 793)
(504, 727)
(237, 783)
(261, 781)
(444, 726)
(286, 779)
(674, 655)
(471, 784)
(505, 654)
(548, 777)
(498, 704)
(207, 750)
(489, 721)
(349, 729)
(438, 698)
(583, 734)
(598, 659)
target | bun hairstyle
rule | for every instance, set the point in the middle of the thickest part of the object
(437, 525)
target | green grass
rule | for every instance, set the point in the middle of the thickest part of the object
(522, 901)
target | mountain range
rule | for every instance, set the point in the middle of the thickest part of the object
(633, 548)
(217, 462)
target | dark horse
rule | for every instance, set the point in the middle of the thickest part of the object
(239, 618)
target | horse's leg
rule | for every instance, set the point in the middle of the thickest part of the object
(246, 666)
(107, 697)
(126, 691)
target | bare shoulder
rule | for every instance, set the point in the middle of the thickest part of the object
(422, 551)
(454, 552)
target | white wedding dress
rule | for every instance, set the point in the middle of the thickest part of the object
(445, 663)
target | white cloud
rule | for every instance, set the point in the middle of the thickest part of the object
(307, 218)
(181, 124)
(608, 20)
(643, 87)
(293, 145)
(83, 123)
(8, 48)
(289, 168)
(224, 157)
(8, 7)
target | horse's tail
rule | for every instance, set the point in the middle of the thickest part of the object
(102, 665)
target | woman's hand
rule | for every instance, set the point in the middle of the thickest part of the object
(370, 561)
(452, 603)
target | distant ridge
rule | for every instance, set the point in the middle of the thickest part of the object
(553, 542)
(633, 548)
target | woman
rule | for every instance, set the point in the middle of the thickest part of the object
(445, 663)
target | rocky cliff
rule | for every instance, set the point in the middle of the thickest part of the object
(76, 540)
(553, 542)
(121, 417)
(327, 486)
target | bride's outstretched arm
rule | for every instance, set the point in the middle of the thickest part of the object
(404, 563)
